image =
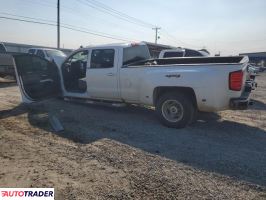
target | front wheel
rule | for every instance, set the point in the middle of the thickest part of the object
(175, 110)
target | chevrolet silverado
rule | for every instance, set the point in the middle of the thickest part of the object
(126, 73)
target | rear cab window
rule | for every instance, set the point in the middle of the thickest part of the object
(135, 53)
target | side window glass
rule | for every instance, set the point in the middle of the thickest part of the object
(102, 58)
(39, 64)
(40, 53)
(32, 65)
(81, 56)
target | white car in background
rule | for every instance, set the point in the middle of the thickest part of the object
(52, 55)
(182, 52)
(253, 69)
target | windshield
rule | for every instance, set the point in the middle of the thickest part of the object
(52, 53)
(135, 54)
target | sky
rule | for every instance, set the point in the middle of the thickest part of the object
(227, 26)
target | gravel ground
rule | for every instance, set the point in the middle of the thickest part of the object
(123, 153)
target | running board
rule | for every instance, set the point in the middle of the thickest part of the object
(96, 102)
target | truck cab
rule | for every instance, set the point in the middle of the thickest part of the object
(91, 72)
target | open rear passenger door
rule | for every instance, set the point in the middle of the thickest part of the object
(37, 78)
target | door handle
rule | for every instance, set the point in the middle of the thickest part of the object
(110, 74)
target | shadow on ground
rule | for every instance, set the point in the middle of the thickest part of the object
(225, 147)
(18, 110)
(258, 105)
(7, 84)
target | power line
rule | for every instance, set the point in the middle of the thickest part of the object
(114, 14)
(25, 20)
(66, 27)
(173, 39)
(94, 7)
(72, 10)
(34, 18)
(46, 4)
(105, 20)
(97, 3)
(122, 16)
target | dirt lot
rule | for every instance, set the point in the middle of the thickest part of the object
(123, 153)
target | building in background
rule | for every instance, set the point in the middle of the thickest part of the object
(258, 58)
(23, 48)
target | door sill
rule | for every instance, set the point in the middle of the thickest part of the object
(118, 104)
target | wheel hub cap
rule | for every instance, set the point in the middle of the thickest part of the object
(172, 110)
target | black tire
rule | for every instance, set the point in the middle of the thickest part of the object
(183, 110)
(194, 116)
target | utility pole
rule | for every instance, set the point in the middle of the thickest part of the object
(58, 24)
(156, 33)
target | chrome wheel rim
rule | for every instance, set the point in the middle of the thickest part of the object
(172, 110)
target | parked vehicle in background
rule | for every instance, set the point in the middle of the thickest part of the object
(52, 55)
(253, 69)
(6, 66)
(251, 76)
(2, 48)
(182, 52)
(126, 73)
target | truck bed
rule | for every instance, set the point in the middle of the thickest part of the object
(191, 61)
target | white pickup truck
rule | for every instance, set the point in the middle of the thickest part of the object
(125, 73)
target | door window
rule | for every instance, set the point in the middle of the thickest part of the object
(81, 56)
(35, 66)
(102, 58)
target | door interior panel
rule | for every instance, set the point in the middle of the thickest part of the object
(39, 77)
(74, 72)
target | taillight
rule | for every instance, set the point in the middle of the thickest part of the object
(236, 80)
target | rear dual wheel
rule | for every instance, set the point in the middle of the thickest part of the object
(175, 110)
